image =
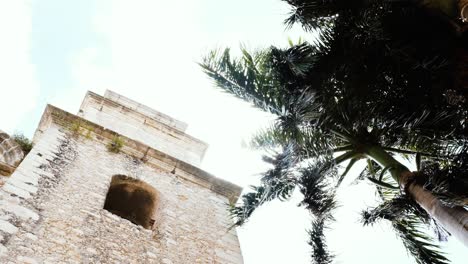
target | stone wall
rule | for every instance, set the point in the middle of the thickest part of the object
(11, 155)
(10, 151)
(51, 209)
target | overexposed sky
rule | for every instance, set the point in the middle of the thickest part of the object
(53, 51)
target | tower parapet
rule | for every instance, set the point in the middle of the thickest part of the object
(139, 122)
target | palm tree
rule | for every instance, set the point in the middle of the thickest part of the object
(377, 83)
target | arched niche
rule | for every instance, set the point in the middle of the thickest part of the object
(132, 199)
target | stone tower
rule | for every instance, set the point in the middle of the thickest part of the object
(117, 183)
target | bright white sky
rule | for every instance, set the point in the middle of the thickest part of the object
(53, 51)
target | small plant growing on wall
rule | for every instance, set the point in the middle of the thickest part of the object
(89, 133)
(115, 145)
(75, 128)
(24, 142)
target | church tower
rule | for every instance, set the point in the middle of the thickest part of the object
(117, 183)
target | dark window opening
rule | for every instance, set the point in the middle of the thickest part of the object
(132, 199)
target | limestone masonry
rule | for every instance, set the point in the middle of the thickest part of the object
(117, 183)
(10, 154)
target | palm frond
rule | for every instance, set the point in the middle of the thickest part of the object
(270, 138)
(371, 79)
(314, 14)
(418, 244)
(320, 253)
(395, 209)
(319, 199)
(348, 168)
(276, 183)
(247, 78)
(448, 181)
(408, 218)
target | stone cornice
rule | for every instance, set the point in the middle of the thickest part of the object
(106, 101)
(151, 156)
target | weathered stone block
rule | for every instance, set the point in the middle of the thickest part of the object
(54, 203)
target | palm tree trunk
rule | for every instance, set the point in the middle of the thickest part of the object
(455, 219)
(461, 71)
(463, 8)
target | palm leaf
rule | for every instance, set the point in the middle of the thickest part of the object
(417, 243)
(407, 219)
(276, 183)
(320, 253)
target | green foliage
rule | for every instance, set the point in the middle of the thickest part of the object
(320, 252)
(75, 128)
(24, 142)
(81, 129)
(417, 243)
(89, 133)
(245, 77)
(115, 144)
(378, 76)
(408, 218)
(276, 183)
(448, 181)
